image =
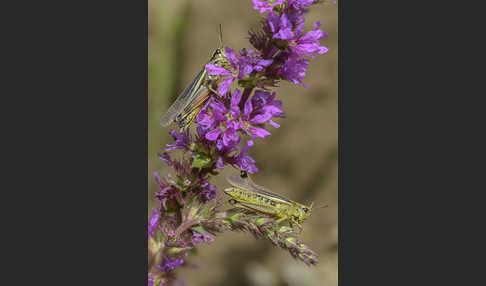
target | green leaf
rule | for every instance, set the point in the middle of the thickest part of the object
(260, 221)
(177, 250)
(247, 83)
(199, 229)
(285, 229)
(201, 161)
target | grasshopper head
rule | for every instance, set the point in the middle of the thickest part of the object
(219, 52)
(219, 58)
(302, 212)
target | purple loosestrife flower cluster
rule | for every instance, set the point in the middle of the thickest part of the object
(228, 126)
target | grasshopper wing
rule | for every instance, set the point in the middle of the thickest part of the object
(182, 100)
(238, 182)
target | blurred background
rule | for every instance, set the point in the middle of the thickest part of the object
(299, 160)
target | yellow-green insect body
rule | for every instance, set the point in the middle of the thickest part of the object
(246, 194)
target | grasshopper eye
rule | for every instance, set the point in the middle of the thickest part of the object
(305, 210)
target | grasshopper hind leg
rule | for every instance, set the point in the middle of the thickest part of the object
(294, 222)
(278, 221)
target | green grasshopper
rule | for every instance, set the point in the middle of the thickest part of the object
(248, 195)
(188, 104)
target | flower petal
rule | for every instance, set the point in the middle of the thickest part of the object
(274, 124)
(196, 238)
(285, 32)
(153, 221)
(235, 101)
(231, 56)
(219, 110)
(208, 238)
(265, 63)
(205, 120)
(219, 163)
(224, 85)
(260, 132)
(261, 6)
(273, 110)
(230, 137)
(217, 70)
(273, 21)
(219, 144)
(248, 109)
(213, 134)
(247, 163)
(261, 118)
(233, 124)
(157, 179)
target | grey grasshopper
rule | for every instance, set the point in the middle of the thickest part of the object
(188, 104)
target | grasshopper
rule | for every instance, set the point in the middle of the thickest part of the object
(188, 104)
(248, 195)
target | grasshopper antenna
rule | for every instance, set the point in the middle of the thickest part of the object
(220, 36)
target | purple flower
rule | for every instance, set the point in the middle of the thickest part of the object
(289, 27)
(303, 45)
(265, 106)
(224, 132)
(260, 109)
(281, 27)
(170, 233)
(208, 238)
(294, 69)
(150, 280)
(182, 140)
(203, 119)
(235, 102)
(221, 121)
(244, 64)
(250, 61)
(165, 157)
(231, 56)
(297, 18)
(260, 40)
(299, 4)
(230, 137)
(220, 163)
(169, 265)
(309, 42)
(208, 191)
(217, 70)
(264, 6)
(196, 237)
(153, 222)
(245, 162)
(226, 77)
(166, 192)
(163, 195)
